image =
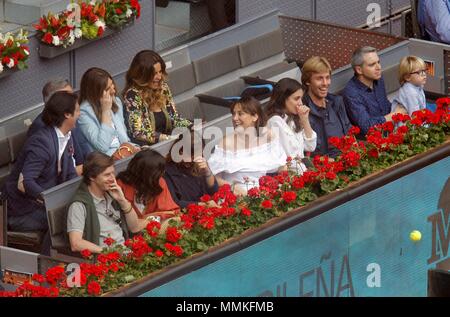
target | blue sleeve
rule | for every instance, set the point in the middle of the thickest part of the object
(441, 10)
(36, 163)
(212, 190)
(98, 135)
(342, 114)
(358, 114)
(78, 152)
(36, 125)
(409, 99)
(174, 193)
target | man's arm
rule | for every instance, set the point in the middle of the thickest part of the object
(76, 219)
(441, 11)
(358, 114)
(36, 162)
(78, 244)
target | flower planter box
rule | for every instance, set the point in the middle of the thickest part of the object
(7, 71)
(227, 262)
(50, 51)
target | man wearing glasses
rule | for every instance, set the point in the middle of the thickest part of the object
(365, 95)
(99, 209)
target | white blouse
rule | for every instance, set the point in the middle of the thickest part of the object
(294, 143)
(244, 167)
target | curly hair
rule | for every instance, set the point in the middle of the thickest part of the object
(141, 73)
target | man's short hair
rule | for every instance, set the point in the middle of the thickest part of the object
(315, 64)
(53, 86)
(358, 55)
(59, 104)
(95, 164)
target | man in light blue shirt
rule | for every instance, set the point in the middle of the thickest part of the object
(434, 18)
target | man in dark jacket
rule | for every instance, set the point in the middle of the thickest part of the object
(80, 144)
(45, 161)
(327, 116)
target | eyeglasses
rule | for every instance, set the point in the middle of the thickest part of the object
(422, 72)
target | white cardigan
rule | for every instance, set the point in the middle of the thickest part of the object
(294, 143)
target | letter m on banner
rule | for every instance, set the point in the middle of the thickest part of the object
(440, 222)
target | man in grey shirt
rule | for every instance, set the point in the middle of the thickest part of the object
(99, 209)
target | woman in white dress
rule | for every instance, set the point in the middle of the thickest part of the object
(289, 119)
(249, 152)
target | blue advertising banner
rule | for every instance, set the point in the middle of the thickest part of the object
(360, 248)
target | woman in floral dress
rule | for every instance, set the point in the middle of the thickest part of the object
(150, 113)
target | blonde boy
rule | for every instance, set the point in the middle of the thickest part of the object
(412, 77)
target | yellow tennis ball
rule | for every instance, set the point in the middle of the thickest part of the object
(415, 235)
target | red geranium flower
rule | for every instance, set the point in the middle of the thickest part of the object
(289, 197)
(267, 204)
(94, 288)
(246, 212)
(109, 241)
(172, 235)
(86, 254)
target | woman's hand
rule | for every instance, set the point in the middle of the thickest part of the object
(106, 101)
(202, 166)
(303, 112)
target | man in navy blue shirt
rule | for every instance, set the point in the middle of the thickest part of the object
(327, 114)
(365, 95)
(434, 18)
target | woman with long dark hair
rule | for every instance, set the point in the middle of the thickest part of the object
(143, 186)
(248, 153)
(150, 111)
(289, 119)
(187, 172)
(101, 120)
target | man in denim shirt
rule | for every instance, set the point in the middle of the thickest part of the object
(434, 18)
(364, 95)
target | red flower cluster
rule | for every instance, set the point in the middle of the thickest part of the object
(174, 249)
(172, 235)
(13, 50)
(138, 246)
(281, 190)
(94, 288)
(289, 197)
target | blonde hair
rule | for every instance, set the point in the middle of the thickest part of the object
(407, 66)
(315, 64)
